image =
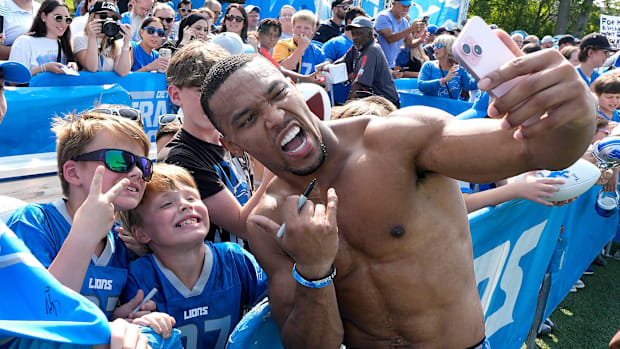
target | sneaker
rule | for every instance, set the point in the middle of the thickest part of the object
(573, 289)
(579, 284)
(544, 330)
(588, 271)
(550, 323)
(599, 260)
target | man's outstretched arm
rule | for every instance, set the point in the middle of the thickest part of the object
(546, 121)
(307, 317)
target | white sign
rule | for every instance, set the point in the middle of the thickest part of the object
(610, 27)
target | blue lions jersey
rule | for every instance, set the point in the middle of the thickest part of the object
(34, 305)
(44, 228)
(231, 280)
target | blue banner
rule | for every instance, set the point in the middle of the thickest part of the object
(441, 12)
(148, 91)
(271, 9)
(584, 236)
(513, 245)
(373, 7)
(25, 128)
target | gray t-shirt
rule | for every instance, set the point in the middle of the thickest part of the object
(371, 69)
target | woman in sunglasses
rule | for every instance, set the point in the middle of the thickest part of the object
(196, 26)
(236, 21)
(444, 77)
(97, 52)
(145, 55)
(47, 46)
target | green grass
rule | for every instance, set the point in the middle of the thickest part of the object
(589, 318)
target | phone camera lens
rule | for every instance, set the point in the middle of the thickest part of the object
(466, 49)
(477, 50)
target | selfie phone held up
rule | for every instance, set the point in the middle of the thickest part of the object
(480, 51)
(425, 19)
(1, 24)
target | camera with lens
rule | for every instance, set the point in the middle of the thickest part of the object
(111, 28)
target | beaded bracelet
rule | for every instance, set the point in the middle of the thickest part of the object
(316, 283)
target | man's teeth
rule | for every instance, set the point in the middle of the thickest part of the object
(290, 135)
(188, 221)
(131, 189)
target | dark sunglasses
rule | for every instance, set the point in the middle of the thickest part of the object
(129, 113)
(59, 19)
(437, 45)
(185, 10)
(104, 16)
(238, 19)
(165, 119)
(119, 161)
(167, 20)
(151, 31)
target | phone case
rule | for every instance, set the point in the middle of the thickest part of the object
(480, 51)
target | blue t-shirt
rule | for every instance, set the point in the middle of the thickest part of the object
(313, 56)
(589, 81)
(430, 74)
(615, 118)
(230, 281)
(44, 229)
(140, 57)
(385, 19)
(334, 49)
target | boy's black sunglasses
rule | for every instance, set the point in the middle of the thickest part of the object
(119, 161)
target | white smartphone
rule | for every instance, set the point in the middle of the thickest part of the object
(480, 51)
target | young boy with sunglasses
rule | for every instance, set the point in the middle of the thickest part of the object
(103, 168)
(205, 286)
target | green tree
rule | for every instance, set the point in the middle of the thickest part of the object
(545, 17)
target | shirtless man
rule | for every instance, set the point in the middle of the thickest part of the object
(401, 245)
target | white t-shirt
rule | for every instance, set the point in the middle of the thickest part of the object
(17, 21)
(77, 26)
(33, 52)
(80, 43)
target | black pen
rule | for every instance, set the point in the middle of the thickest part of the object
(300, 203)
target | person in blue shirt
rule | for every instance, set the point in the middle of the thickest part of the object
(145, 55)
(205, 286)
(594, 50)
(607, 90)
(393, 28)
(444, 77)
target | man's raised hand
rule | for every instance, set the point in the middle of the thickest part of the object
(96, 214)
(311, 237)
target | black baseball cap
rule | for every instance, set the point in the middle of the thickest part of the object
(340, 2)
(596, 40)
(360, 22)
(566, 39)
(103, 6)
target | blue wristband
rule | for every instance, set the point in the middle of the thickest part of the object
(314, 284)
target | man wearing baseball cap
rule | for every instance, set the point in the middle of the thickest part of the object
(333, 26)
(393, 28)
(593, 52)
(253, 12)
(368, 69)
